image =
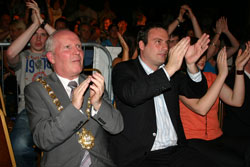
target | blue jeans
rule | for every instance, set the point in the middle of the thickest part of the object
(22, 142)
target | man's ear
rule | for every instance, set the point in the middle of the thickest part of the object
(51, 57)
(141, 45)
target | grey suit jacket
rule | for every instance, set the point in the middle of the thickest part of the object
(55, 132)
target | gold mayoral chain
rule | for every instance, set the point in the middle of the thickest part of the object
(86, 139)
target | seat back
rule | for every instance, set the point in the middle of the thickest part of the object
(6, 152)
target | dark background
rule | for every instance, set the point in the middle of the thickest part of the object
(236, 11)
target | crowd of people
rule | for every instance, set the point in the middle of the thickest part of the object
(167, 84)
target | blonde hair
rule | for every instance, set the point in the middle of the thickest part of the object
(18, 24)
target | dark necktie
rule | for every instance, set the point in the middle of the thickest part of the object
(72, 85)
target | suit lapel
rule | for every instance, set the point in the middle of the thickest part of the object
(56, 85)
(58, 89)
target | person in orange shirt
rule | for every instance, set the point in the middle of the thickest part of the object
(200, 116)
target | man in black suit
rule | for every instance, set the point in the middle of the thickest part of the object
(146, 93)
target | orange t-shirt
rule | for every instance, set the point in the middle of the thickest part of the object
(201, 127)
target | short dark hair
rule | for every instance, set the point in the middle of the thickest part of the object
(113, 25)
(84, 23)
(143, 32)
(62, 19)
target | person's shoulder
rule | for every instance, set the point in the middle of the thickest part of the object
(25, 52)
(210, 76)
(130, 66)
(34, 85)
(131, 62)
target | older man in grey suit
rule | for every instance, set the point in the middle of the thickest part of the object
(71, 132)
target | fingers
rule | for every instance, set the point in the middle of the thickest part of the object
(246, 51)
(32, 4)
(176, 55)
(222, 62)
(243, 57)
(98, 83)
(179, 50)
(222, 56)
(182, 45)
(78, 93)
(96, 90)
(80, 90)
(203, 41)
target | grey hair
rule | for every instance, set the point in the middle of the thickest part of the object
(49, 44)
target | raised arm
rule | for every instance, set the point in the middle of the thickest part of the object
(234, 42)
(215, 42)
(196, 26)
(51, 19)
(125, 51)
(176, 55)
(195, 51)
(185, 9)
(222, 27)
(64, 4)
(236, 96)
(33, 5)
(202, 106)
(18, 45)
(177, 21)
(191, 53)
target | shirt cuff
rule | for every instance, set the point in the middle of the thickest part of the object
(93, 111)
(197, 77)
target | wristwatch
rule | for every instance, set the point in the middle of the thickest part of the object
(43, 24)
(239, 72)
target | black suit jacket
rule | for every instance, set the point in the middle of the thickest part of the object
(134, 91)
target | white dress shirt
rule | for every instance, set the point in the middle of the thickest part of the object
(65, 82)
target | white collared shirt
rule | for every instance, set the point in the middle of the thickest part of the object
(165, 135)
(65, 83)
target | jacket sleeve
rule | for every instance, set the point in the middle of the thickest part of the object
(49, 126)
(189, 88)
(108, 117)
(134, 87)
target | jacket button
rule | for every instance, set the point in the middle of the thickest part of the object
(154, 134)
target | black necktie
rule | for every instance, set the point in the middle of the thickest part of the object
(72, 85)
